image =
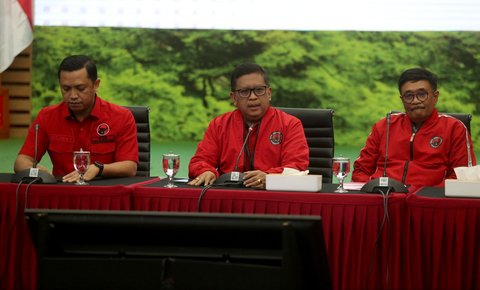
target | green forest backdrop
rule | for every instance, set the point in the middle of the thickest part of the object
(183, 75)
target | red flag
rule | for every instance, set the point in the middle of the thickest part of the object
(16, 22)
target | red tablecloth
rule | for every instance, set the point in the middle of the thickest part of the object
(443, 236)
(351, 224)
(17, 254)
(429, 242)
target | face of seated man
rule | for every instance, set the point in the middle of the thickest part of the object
(423, 102)
(78, 91)
(252, 107)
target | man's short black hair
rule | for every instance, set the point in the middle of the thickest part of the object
(415, 75)
(245, 69)
(76, 62)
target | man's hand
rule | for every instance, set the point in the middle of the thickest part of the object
(205, 178)
(23, 162)
(73, 176)
(254, 179)
(43, 168)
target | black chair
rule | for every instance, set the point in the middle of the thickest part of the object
(464, 117)
(318, 126)
(141, 115)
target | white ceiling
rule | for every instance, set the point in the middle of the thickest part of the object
(369, 15)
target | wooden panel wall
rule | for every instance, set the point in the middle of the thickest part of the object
(18, 80)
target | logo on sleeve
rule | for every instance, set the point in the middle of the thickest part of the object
(276, 138)
(103, 129)
(436, 141)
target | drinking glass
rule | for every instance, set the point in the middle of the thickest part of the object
(341, 168)
(81, 161)
(171, 163)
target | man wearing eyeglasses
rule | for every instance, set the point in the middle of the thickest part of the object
(424, 146)
(273, 139)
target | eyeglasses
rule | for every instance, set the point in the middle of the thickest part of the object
(410, 96)
(258, 91)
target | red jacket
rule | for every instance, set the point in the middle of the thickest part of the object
(424, 158)
(277, 142)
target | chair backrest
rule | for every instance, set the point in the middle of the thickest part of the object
(318, 126)
(141, 115)
(464, 117)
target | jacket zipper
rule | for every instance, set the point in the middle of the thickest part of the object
(411, 144)
(405, 168)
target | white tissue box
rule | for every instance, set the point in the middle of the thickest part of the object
(458, 188)
(294, 182)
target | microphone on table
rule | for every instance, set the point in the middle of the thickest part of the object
(34, 175)
(234, 178)
(384, 183)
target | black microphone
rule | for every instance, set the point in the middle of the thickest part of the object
(384, 183)
(235, 178)
(389, 116)
(34, 175)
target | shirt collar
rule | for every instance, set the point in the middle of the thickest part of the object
(429, 120)
(96, 111)
(432, 117)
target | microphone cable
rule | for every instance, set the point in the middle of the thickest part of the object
(202, 194)
(14, 222)
(204, 191)
(25, 205)
(26, 190)
(10, 231)
(385, 219)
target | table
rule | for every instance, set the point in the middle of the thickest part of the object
(443, 236)
(351, 224)
(17, 254)
(431, 242)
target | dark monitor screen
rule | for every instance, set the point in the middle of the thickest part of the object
(159, 250)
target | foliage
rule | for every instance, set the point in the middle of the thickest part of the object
(183, 75)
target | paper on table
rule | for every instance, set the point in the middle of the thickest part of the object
(353, 185)
(293, 171)
(468, 173)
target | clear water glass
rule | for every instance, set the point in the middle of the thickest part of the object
(171, 164)
(341, 168)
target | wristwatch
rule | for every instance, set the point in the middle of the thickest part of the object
(100, 166)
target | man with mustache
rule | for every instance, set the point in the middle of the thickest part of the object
(424, 146)
(82, 121)
(276, 139)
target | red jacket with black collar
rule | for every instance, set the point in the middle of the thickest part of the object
(278, 141)
(423, 158)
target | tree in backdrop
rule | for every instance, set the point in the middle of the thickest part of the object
(183, 75)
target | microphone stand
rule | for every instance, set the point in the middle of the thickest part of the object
(384, 183)
(34, 175)
(234, 178)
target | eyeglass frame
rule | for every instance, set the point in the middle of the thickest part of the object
(416, 95)
(237, 92)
